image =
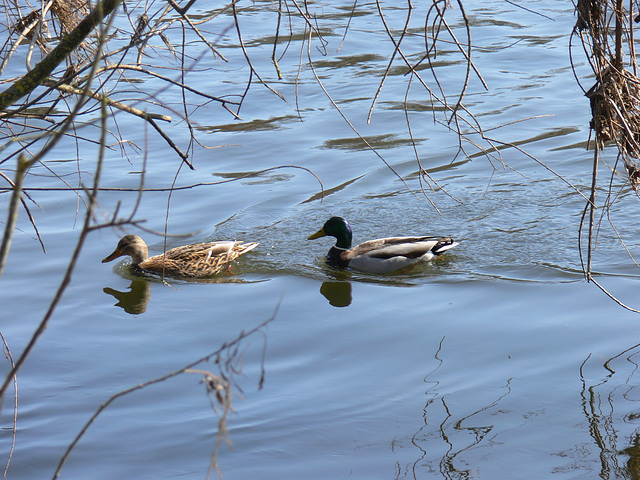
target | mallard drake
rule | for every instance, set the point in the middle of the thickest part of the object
(383, 255)
(196, 260)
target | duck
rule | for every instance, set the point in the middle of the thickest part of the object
(197, 260)
(382, 255)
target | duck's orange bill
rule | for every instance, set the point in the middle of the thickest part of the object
(116, 253)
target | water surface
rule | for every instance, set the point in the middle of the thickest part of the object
(488, 363)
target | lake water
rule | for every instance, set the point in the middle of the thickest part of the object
(497, 360)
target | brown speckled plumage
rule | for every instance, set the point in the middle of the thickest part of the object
(197, 260)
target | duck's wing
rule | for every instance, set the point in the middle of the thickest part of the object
(198, 259)
(409, 247)
(218, 254)
(205, 251)
(385, 255)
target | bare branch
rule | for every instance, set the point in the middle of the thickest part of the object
(67, 44)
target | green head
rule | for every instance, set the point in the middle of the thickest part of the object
(336, 227)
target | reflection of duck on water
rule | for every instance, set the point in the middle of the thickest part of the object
(383, 255)
(338, 293)
(135, 300)
(196, 261)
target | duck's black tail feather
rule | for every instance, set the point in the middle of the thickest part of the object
(443, 245)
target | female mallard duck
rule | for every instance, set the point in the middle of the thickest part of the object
(197, 260)
(383, 255)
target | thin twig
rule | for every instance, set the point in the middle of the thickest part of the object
(252, 69)
(344, 117)
(183, 187)
(112, 103)
(7, 353)
(76, 254)
(12, 216)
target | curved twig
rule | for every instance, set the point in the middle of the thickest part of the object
(7, 353)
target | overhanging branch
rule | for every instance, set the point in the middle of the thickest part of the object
(69, 42)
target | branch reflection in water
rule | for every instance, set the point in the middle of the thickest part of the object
(442, 443)
(610, 407)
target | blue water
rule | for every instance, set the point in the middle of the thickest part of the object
(488, 363)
